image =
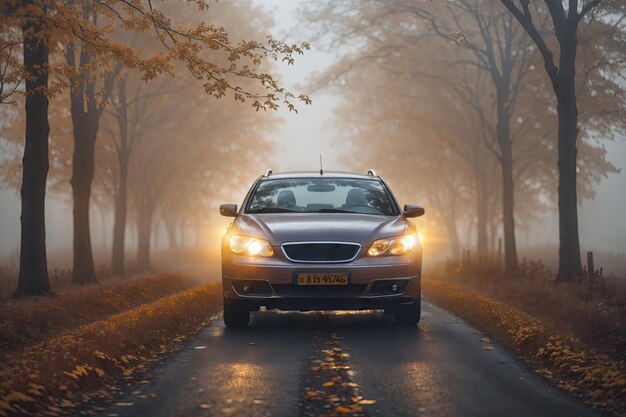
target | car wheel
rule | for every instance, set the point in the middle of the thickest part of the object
(408, 314)
(234, 315)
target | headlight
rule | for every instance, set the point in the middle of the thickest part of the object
(251, 246)
(393, 246)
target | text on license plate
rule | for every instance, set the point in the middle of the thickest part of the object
(322, 278)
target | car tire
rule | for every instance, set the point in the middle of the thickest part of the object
(408, 314)
(234, 315)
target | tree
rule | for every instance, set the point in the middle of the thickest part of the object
(33, 276)
(493, 44)
(86, 109)
(172, 172)
(48, 23)
(502, 52)
(562, 76)
(471, 64)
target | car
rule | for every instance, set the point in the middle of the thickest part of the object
(321, 241)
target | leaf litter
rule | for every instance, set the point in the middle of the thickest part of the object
(329, 390)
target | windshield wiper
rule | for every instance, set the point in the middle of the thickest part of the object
(274, 210)
(333, 210)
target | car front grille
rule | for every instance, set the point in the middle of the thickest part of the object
(290, 290)
(321, 252)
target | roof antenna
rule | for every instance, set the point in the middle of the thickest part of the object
(321, 167)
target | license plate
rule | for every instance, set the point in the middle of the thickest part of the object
(322, 278)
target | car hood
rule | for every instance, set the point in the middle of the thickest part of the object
(279, 228)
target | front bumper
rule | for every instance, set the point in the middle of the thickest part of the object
(270, 282)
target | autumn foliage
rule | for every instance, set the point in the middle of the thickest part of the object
(56, 375)
(31, 320)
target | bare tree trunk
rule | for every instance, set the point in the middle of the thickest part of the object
(86, 113)
(118, 254)
(118, 260)
(144, 235)
(171, 227)
(83, 166)
(570, 266)
(33, 276)
(481, 211)
(511, 265)
(183, 235)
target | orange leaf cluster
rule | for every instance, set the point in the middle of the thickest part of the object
(206, 50)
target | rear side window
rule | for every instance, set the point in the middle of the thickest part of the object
(322, 195)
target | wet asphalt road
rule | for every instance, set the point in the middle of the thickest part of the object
(437, 369)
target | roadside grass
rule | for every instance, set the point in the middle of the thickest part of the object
(26, 321)
(597, 378)
(594, 312)
(56, 375)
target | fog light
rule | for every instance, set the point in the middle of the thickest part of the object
(246, 288)
(395, 287)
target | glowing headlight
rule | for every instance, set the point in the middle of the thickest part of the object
(394, 246)
(250, 246)
(378, 247)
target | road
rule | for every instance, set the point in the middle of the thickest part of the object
(279, 364)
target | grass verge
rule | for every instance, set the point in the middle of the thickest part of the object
(27, 321)
(57, 375)
(564, 360)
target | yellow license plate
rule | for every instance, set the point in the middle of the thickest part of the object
(322, 278)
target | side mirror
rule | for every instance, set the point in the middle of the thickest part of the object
(228, 210)
(413, 210)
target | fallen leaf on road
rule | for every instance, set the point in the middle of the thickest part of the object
(328, 384)
(258, 401)
(205, 406)
(311, 394)
(200, 347)
(487, 348)
(485, 340)
(124, 404)
(367, 402)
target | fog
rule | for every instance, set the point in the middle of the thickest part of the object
(296, 142)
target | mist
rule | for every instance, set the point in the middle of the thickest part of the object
(295, 141)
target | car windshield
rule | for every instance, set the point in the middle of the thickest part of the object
(322, 195)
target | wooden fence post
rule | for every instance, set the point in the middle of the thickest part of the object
(591, 272)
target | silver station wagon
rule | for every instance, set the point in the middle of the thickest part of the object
(321, 241)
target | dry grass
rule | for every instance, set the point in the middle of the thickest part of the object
(593, 312)
(586, 372)
(59, 274)
(29, 320)
(54, 376)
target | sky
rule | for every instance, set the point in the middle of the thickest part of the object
(302, 137)
(305, 135)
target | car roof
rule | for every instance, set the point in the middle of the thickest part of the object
(309, 174)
